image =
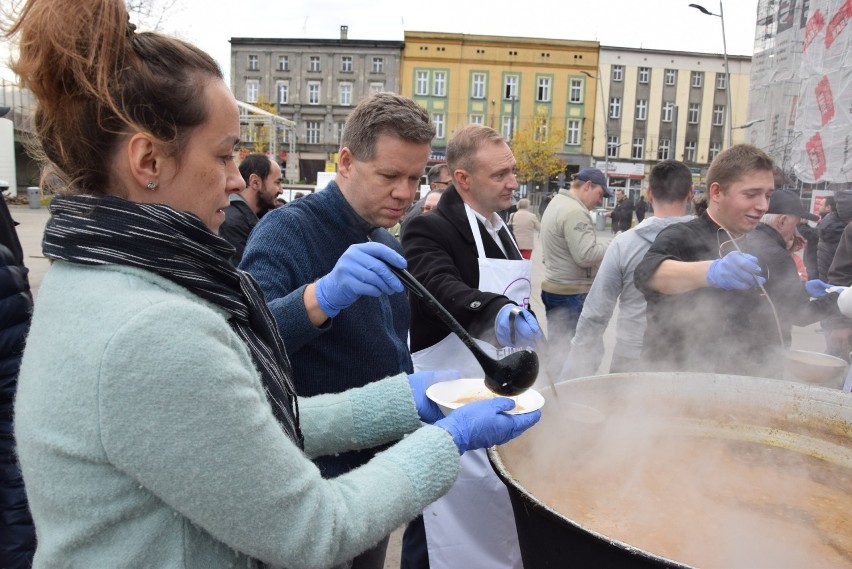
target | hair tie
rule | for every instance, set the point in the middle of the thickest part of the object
(130, 28)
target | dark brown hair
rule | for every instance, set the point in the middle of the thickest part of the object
(734, 162)
(385, 113)
(96, 80)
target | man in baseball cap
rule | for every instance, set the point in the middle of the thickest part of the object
(596, 177)
(787, 202)
(572, 253)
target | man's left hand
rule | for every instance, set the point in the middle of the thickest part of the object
(817, 288)
(516, 327)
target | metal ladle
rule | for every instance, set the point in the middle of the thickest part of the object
(509, 376)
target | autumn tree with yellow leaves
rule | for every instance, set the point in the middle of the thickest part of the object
(535, 148)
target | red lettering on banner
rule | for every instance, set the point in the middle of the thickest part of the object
(816, 153)
(825, 100)
(838, 23)
(812, 29)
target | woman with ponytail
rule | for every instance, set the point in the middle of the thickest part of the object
(156, 420)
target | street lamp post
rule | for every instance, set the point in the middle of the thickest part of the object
(605, 112)
(721, 16)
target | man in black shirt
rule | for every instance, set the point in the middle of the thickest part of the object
(714, 284)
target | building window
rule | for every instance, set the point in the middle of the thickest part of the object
(718, 115)
(510, 87)
(421, 84)
(638, 149)
(346, 64)
(478, 87)
(575, 91)
(668, 111)
(612, 146)
(572, 133)
(439, 84)
(283, 63)
(253, 64)
(283, 92)
(715, 149)
(543, 94)
(314, 63)
(664, 149)
(346, 94)
(721, 81)
(541, 130)
(252, 89)
(641, 110)
(644, 74)
(313, 92)
(507, 128)
(696, 79)
(378, 65)
(477, 119)
(689, 151)
(312, 131)
(438, 121)
(671, 76)
(615, 108)
(617, 72)
(377, 87)
(693, 114)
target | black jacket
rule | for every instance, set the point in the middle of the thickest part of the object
(622, 215)
(724, 331)
(829, 230)
(17, 535)
(239, 221)
(441, 254)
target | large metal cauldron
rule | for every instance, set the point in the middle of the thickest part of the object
(770, 415)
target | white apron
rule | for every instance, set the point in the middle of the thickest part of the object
(472, 526)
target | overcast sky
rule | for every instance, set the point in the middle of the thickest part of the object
(659, 24)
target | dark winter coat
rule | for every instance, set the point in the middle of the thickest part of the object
(17, 534)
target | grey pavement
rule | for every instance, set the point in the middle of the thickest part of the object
(31, 230)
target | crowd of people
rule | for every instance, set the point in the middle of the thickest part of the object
(211, 379)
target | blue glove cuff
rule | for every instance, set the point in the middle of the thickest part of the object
(323, 301)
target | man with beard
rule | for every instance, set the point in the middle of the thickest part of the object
(709, 282)
(322, 264)
(262, 176)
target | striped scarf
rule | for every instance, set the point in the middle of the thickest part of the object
(106, 230)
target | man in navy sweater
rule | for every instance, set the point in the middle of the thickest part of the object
(321, 262)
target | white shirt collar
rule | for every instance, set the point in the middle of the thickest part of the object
(492, 225)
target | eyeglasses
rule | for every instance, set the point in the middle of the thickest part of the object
(426, 208)
(438, 182)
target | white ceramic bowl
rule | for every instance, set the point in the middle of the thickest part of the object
(453, 394)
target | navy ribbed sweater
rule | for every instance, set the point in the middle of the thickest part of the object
(293, 246)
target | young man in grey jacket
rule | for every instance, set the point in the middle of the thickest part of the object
(670, 190)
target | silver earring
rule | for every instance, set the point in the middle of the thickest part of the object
(152, 185)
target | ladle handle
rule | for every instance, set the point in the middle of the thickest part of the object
(420, 291)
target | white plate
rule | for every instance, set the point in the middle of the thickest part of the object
(453, 394)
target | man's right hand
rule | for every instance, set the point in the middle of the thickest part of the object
(735, 271)
(362, 270)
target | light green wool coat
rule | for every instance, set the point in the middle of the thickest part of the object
(146, 440)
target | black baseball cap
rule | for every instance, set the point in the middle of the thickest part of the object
(594, 176)
(787, 202)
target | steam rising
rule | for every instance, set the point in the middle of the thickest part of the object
(697, 468)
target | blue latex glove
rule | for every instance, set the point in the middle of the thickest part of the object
(360, 271)
(482, 424)
(419, 382)
(526, 329)
(735, 271)
(816, 288)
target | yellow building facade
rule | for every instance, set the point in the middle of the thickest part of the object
(504, 82)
